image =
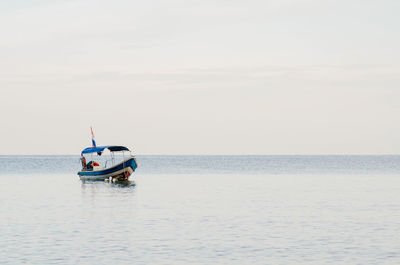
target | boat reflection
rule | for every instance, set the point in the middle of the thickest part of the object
(103, 184)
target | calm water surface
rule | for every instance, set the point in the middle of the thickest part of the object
(203, 210)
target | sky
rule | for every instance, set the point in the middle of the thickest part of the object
(200, 77)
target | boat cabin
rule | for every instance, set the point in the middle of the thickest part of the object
(99, 162)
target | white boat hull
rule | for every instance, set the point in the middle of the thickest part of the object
(123, 171)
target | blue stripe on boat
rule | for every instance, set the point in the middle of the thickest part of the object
(128, 163)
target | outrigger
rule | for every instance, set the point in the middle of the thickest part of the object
(114, 172)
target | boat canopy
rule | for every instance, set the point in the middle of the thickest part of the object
(99, 149)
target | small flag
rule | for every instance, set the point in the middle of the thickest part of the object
(93, 141)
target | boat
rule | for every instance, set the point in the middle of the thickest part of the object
(111, 170)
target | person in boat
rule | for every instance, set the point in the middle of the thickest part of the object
(92, 164)
(89, 165)
(83, 161)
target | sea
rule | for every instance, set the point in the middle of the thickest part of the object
(203, 210)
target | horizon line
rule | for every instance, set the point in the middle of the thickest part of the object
(333, 154)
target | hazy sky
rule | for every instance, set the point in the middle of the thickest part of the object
(200, 77)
